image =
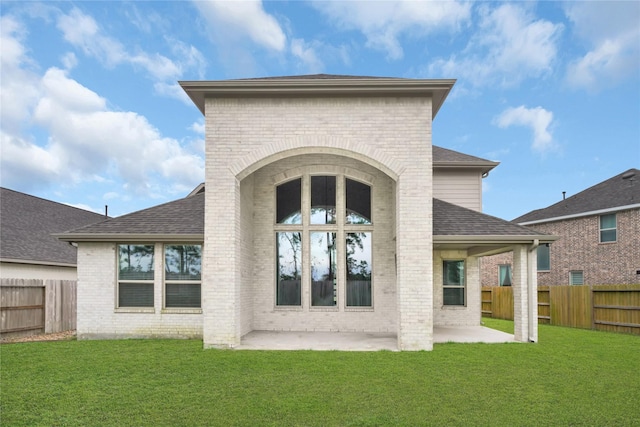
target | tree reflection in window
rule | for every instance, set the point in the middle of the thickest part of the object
(358, 269)
(289, 268)
(323, 269)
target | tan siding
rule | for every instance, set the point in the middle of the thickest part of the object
(460, 187)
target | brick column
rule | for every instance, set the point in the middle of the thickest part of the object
(221, 260)
(414, 252)
(520, 293)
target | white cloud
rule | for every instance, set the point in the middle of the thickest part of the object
(384, 23)
(198, 127)
(537, 119)
(614, 42)
(83, 32)
(69, 60)
(306, 53)
(509, 46)
(243, 19)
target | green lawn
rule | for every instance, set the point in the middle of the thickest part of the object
(572, 377)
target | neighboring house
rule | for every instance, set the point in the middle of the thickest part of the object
(27, 248)
(325, 208)
(599, 244)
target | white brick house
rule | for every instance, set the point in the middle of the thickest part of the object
(325, 208)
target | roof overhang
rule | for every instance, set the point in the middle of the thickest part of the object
(477, 245)
(484, 167)
(133, 238)
(437, 89)
(37, 262)
(582, 214)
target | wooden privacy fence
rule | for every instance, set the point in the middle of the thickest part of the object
(34, 306)
(614, 308)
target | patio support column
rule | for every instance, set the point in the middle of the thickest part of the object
(520, 293)
(221, 259)
(414, 259)
(532, 279)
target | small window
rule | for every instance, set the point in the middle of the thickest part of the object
(544, 257)
(288, 202)
(135, 275)
(182, 276)
(608, 232)
(576, 278)
(505, 275)
(323, 200)
(453, 281)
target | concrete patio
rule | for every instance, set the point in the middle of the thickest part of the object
(362, 341)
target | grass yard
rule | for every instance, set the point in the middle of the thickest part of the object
(572, 377)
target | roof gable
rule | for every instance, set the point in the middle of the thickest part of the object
(27, 223)
(620, 191)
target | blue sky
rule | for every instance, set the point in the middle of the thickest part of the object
(92, 115)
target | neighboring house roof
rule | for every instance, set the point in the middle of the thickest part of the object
(445, 158)
(26, 226)
(320, 85)
(621, 192)
(180, 220)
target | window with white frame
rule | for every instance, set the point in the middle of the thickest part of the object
(505, 276)
(453, 282)
(608, 228)
(328, 218)
(576, 277)
(544, 257)
(135, 275)
(182, 275)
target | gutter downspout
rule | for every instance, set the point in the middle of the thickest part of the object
(532, 288)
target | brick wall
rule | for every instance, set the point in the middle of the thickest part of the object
(97, 314)
(579, 248)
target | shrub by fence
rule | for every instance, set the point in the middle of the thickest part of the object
(33, 306)
(614, 308)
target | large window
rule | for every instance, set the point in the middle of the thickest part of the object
(182, 276)
(544, 257)
(608, 228)
(324, 232)
(135, 275)
(453, 282)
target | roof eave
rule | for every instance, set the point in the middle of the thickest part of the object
(493, 239)
(483, 166)
(37, 262)
(580, 215)
(122, 237)
(437, 89)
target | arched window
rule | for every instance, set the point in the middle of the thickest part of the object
(324, 234)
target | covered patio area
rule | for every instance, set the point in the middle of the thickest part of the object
(363, 341)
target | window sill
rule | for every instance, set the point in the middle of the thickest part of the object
(288, 308)
(454, 307)
(181, 311)
(135, 310)
(326, 308)
(360, 309)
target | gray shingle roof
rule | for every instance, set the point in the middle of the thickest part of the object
(445, 156)
(186, 217)
(26, 225)
(613, 193)
(454, 220)
(180, 217)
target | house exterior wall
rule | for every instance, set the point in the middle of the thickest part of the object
(98, 317)
(11, 270)
(458, 186)
(392, 134)
(579, 249)
(470, 313)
